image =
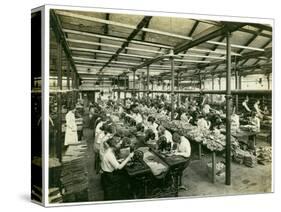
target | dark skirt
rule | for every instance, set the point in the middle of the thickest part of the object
(88, 135)
(115, 185)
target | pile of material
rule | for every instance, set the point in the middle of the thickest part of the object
(239, 154)
(55, 195)
(250, 128)
(74, 177)
(156, 165)
(161, 118)
(37, 161)
(36, 193)
(220, 169)
(244, 157)
(54, 162)
(264, 155)
(250, 160)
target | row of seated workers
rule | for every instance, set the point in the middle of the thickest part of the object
(101, 131)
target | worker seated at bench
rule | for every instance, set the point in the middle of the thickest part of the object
(114, 181)
(182, 145)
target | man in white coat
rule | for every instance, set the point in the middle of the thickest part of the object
(71, 136)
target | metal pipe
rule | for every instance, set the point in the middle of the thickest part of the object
(172, 85)
(206, 91)
(213, 87)
(59, 102)
(228, 111)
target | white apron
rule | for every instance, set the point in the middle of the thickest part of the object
(71, 136)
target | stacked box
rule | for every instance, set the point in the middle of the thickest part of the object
(74, 177)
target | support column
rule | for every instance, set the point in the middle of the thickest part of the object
(172, 84)
(59, 143)
(147, 83)
(201, 96)
(68, 76)
(219, 82)
(200, 81)
(139, 86)
(152, 88)
(125, 93)
(213, 87)
(134, 84)
(268, 81)
(68, 84)
(118, 94)
(77, 86)
(236, 87)
(228, 111)
(74, 87)
(239, 82)
(178, 88)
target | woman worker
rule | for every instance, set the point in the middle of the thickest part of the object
(151, 124)
(258, 110)
(183, 149)
(183, 145)
(113, 181)
(246, 110)
(202, 123)
(162, 131)
(71, 136)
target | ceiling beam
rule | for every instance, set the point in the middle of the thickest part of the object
(213, 32)
(128, 63)
(247, 55)
(261, 26)
(141, 25)
(190, 44)
(105, 30)
(141, 56)
(250, 31)
(144, 32)
(248, 43)
(267, 68)
(241, 50)
(253, 32)
(108, 52)
(115, 38)
(56, 26)
(214, 49)
(88, 18)
(190, 34)
(133, 41)
(263, 46)
(111, 45)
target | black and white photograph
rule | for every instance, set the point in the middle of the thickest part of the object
(151, 105)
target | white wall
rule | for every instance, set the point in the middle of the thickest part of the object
(248, 83)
